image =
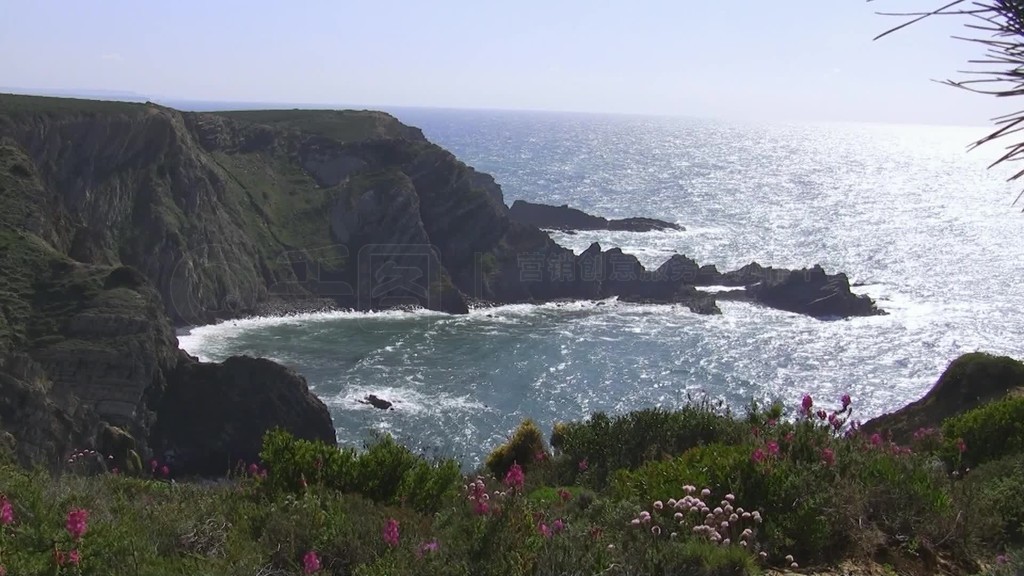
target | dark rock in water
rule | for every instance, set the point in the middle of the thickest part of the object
(565, 218)
(811, 292)
(377, 402)
(213, 415)
(968, 382)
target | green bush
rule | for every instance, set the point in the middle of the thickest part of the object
(524, 447)
(990, 431)
(992, 497)
(385, 472)
(630, 440)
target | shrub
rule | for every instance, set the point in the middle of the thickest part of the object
(385, 472)
(989, 432)
(630, 440)
(524, 447)
(992, 497)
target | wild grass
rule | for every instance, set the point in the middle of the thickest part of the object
(698, 491)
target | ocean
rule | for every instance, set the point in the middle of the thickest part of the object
(915, 220)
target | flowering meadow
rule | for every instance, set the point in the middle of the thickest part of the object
(699, 490)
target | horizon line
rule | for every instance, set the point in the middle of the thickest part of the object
(129, 96)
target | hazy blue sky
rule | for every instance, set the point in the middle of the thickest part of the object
(788, 59)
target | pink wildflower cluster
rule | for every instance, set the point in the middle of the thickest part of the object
(836, 419)
(390, 533)
(546, 531)
(256, 471)
(158, 470)
(6, 512)
(428, 547)
(77, 523)
(725, 524)
(476, 493)
(515, 478)
(84, 456)
(310, 562)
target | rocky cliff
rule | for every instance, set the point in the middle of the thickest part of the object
(122, 220)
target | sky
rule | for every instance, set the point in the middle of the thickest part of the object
(744, 59)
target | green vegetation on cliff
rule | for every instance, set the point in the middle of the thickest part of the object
(699, 491)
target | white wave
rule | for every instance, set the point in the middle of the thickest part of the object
(405, 400)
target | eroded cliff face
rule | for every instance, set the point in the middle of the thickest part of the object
(123, 220)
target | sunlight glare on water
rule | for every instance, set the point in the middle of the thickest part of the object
(904, 210)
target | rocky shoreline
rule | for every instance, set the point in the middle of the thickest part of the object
(123, 221)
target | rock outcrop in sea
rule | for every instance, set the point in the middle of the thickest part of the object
(570, 219)
(122, 221)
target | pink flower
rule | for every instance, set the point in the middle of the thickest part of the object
(427, 547)
(770, 423)
(540, 456)
(564, 495)
(514, 478)
(254, 469)
(58, 557)
(876, 439)
(391, 532)
(1001, 559)
(757, 455)
(310, 562)
(583, 465)
(544, 530)
(773, 448)
(846, 400)
(558, 525)
(77, 522)
(165, 471)
(789, 436)
(807, 403)
(656, 530)
(828, 456)
(822, 414)
(6, 511)
(961, 445)
(74, 557)
(152, 466)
